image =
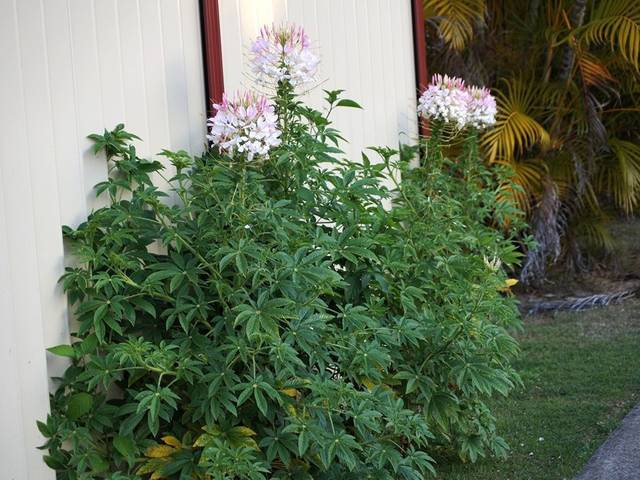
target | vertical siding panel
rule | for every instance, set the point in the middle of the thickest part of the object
(372, 69)
(12, 435)
(397, 65)
(194, 71)
(154, 75)
(12, 440)
(66, 169)
(65, 135)
(248, 27)
(381, 29)
(132, 65)
(310, 20)
(175, 74)
(22, 321)
(43, 179)
(253, 15)
(70, 68)
(346, 120)
(355, 60)
(109, 61)
(407, 101)
(87, 93)
(295, 11)
(232, 44)
(279, 9)
(43, 175)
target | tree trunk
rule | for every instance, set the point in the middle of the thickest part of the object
(576, 19)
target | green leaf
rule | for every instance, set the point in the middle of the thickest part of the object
(261, 402)
(124, 445)
(63, 351)
(89, 344)
(345, 102)
(54, 463)
(303, 442)
(44, 430)
(144, 305)
(78, 405)
(98, 464)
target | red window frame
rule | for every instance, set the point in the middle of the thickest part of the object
(420, 53)
(214, 73)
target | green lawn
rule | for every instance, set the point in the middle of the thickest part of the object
(582, 375)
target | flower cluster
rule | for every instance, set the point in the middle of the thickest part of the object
(245, 123)
(283, 54)
(482, 107)
(448, 99)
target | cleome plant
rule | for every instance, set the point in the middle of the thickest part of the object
(258, 313)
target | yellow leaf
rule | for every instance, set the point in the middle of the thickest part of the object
(157, 475)
(509, 282)
(153, 465)
(203, 440)
(251, 443)
(159, 451)
(290, 392)
(292, 411)
(173, 441)
(368, 383)
(244, 431)
(146, 468)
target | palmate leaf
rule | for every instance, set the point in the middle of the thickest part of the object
(594, 72)
(591, 228)
(525, 183)
(456, 19)
(516, 130)
(620, 174)
(617, 23)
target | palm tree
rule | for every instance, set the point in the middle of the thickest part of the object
(567, 77)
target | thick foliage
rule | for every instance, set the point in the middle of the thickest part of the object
(275, 321)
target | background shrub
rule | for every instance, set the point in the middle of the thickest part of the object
(273, 320)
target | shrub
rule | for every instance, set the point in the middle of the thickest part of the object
(271, 319)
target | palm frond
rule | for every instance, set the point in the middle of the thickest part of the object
(619, 174)
(525, 183)
(564, 169)
(617, 23)
(594, 72)
(516, 130)
(593, 232)
(455, 19)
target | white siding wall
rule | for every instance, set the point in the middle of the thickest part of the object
(70, 68)
(366, 48)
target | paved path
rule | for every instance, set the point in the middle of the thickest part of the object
(619, 457)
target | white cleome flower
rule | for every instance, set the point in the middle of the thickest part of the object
(449, 100)
(246, 124)
(283, 54)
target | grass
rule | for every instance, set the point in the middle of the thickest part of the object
(582, 375)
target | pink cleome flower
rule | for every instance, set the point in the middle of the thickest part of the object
(482, 108)
(449, 100)
(283, 54)
(246, 123)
